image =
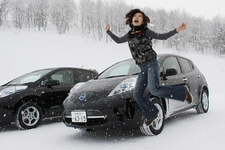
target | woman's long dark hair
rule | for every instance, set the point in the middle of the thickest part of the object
(131, 14)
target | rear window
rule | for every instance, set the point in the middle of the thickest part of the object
(84, 75)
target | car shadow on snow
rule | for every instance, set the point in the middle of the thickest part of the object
(107, 135)
(182, 117)
(115, 135)
(119, 136)
(13, 127)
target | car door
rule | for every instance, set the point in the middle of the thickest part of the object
(54, 96)
(193, 77)
(172, 79)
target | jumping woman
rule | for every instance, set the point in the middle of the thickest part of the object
(140, 44)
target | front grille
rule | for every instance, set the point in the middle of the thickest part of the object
(90, 122)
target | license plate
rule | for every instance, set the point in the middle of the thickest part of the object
(79, 116)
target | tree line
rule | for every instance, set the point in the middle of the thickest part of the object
(91, 16)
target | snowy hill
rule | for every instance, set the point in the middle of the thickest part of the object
(25, 51)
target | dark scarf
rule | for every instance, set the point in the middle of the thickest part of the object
(136, 31)
(137, 28)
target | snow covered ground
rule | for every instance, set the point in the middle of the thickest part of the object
(25, 51)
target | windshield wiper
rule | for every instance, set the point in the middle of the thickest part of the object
(115, 76)
(20, 84)
(99, 77)
(135, 74)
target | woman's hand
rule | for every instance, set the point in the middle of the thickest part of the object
(107, 27)
(182, 27)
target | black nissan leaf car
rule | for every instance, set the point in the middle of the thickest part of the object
(107, 100)
(34, 96)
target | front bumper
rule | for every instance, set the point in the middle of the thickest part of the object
(6, 115)
(125, 114)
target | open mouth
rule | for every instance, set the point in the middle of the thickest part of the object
(136, 21)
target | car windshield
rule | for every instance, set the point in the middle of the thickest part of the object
(124, 68)
(30, 77)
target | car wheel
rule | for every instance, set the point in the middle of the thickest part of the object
(28, 116)
(203, 106)
(157, 126)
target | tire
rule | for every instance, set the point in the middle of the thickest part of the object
(203, 106)
(29, 115)
(157, 126)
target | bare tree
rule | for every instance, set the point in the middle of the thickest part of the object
(4, 5)
(62, 14)
(219, 35)
(93, 15)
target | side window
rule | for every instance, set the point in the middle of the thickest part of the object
(185, 65)
(171, 63)
(65, 77)
(83, 75)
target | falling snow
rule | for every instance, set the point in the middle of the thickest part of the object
(25, 51)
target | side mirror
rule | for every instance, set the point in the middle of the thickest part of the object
(171, 72)
(51, 83)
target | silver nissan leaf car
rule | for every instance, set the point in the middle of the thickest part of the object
(106, 102)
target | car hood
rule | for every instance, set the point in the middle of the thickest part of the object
(102, 84)
(92, 92)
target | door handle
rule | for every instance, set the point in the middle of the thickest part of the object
(185, 79)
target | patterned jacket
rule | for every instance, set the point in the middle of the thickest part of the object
(140, 43)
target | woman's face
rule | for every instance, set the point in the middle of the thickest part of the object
(137, 20)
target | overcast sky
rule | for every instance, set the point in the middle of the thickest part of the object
(205, 8)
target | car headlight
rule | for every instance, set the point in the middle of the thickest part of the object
(124, 86)
(11, 90)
